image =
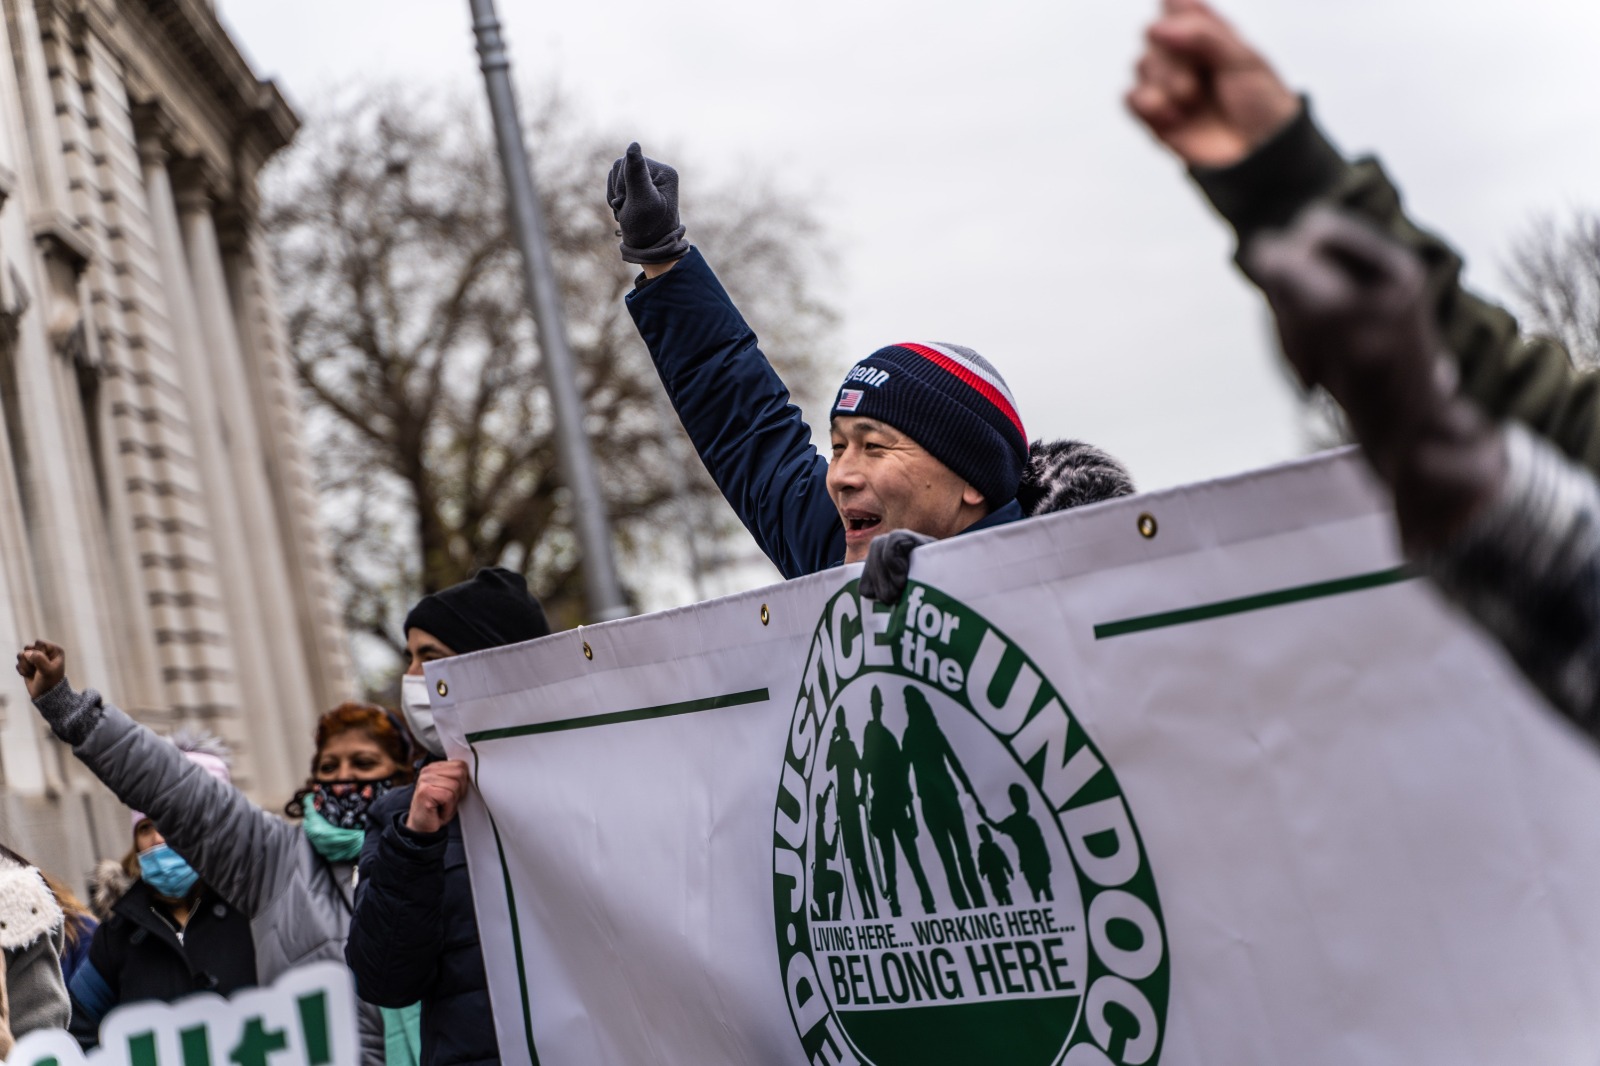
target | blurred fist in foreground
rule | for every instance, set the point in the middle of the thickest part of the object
(1354, 317)
(1205, 93)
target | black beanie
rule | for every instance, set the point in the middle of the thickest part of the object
(493, 608)
(949, 400)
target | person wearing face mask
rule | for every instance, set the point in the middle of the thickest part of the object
(415, 931)
(294, 883)
(170, 934)
(355, 741)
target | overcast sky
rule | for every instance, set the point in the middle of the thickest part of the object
(983, 184)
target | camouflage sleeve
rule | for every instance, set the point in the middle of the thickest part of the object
(1528, 570)
(1511, 376)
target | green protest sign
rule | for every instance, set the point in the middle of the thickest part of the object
(306, 1018)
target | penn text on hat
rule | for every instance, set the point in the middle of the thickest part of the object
(952, 402)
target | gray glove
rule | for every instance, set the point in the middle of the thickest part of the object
(1353, 316)
(889, 564)
(643, 195)
(72, 715)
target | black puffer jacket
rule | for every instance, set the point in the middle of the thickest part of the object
(414, 935)
(137, 955)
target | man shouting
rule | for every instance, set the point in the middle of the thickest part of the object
(925, 437)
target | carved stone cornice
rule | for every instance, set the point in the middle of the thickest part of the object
(178, 49)
(195, 34)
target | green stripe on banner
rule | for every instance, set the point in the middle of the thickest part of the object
(516, 931)
(1258, 602)
(665, 710)
(709, 703)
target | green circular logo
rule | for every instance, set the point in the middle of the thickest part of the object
(956, 876)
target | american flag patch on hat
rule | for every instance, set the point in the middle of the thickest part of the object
(849, 399)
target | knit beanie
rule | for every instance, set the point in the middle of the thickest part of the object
(492, 608)
(952, 402)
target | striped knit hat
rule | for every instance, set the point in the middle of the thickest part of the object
(949, 400)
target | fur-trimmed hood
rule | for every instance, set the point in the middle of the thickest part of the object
(107, 884)
(1063, 474)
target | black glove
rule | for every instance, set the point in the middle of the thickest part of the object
(889, 564)
(643, 195)
(1353, 316)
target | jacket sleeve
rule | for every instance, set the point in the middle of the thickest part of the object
(247, 855)
(1529, 379)
(1528, 570)
(93, 995)
(35, 989)
(397, 931)
(735, 409)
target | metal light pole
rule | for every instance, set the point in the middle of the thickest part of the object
(601, 588)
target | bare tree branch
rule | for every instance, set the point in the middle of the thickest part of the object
(425, 399)
(1555, 275)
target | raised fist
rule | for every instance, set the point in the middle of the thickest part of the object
(1354, 317)
(643, 195)
(1203, 91)
(43, 666)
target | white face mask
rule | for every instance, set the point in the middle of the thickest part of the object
(418, 710)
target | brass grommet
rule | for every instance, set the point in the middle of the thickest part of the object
(1147, 525)
(588, 652)
(444, 689)
(766, 616)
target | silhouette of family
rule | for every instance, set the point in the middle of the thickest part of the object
(874, 785)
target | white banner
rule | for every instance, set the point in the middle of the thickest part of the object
(1193, 777)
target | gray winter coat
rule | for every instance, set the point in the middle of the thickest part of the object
(299, 903)
(35, 996)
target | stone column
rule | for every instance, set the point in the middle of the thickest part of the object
(273, 390)
(50, 588)
(236, 575)
(295, 712)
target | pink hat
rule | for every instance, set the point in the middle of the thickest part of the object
(215, 765)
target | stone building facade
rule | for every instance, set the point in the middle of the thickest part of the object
(157, 512)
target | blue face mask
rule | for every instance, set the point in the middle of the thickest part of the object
(165, 871)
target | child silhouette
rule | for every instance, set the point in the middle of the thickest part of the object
(994, 866)
(1032, 855)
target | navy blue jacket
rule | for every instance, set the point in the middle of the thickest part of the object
(737, 412)
(414, 934)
